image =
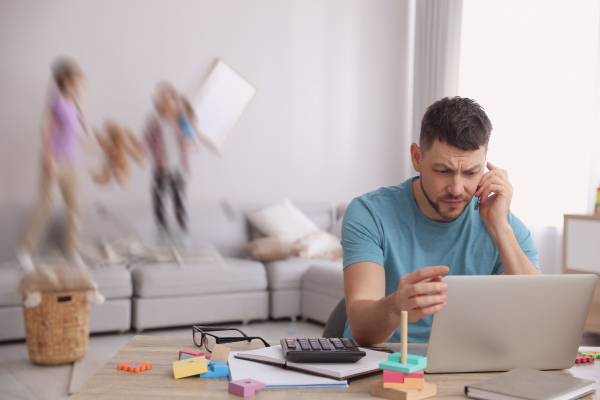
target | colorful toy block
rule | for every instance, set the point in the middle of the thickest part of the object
(216, 369)
(185, 356)
(593, 354)
(134, 366)
(409, 383)
(189, 367)
(413, 363)
(191, 353)
(582, 358)
(398, 377)
(429, 390)
(245, 387)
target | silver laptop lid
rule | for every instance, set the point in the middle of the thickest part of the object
(499, 323)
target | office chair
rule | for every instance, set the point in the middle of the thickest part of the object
(336, 323)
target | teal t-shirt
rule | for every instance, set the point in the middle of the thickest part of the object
(387, 227)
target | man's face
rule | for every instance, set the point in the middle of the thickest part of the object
(449, 178)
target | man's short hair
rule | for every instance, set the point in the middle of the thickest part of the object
(458, 121)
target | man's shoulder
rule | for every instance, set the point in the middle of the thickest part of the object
(384, 199)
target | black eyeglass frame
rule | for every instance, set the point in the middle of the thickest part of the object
(221, 339)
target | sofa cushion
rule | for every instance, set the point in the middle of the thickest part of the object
(10, 276)
(327, 279)
(288, 274)
(113, 283)
(271, 249)
(174, 280)
(322, 214)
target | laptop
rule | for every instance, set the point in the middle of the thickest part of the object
(499, 323)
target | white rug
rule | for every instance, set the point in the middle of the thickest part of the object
(82, 371)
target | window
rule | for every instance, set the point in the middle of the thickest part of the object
(533, 66)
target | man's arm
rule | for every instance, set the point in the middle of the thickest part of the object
(494, 211)
(374, 317)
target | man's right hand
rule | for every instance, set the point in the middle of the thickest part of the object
(414, 292)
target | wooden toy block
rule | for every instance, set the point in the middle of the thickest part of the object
(245, 387)
(398, 377)
(189, 367)
(216, 369)
(409, 383)
(191, 353)
(377, 389)
(582, 358)
(413, 363)
(220, 353)
(134, 366)
(185, 356)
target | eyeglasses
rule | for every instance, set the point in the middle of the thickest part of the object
(208, 340)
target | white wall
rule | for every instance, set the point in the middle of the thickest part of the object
(327, 123)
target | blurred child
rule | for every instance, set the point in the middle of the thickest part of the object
(61, 127)
(168, 152)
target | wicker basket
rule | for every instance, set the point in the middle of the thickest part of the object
(58, 329)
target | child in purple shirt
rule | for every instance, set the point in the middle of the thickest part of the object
(61, 128)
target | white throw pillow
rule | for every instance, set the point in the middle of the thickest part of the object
(320, 244)
(282, 220)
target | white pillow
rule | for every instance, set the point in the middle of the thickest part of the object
(320, 244)
(282, 220)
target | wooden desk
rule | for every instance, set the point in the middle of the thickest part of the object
(158, 383)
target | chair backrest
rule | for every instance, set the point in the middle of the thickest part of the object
(336, 323)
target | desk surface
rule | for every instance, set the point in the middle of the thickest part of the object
(158, 383)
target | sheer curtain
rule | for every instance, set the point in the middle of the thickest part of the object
(436, 55)
(533, 66)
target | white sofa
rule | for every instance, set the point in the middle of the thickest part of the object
(167, 295)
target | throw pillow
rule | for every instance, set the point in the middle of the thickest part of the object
(271, 249)
(282, 220)
(320, 244)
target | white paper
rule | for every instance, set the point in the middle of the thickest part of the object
(275, 376)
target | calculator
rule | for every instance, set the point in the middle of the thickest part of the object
(321, 350)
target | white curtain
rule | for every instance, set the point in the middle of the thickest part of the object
(436, 55)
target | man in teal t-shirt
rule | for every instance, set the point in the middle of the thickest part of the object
(400, 240)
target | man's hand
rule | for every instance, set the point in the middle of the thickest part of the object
(414, 292)
(494, 209)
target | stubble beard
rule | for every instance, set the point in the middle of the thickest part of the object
(436, 206)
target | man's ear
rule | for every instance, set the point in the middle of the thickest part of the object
(416, 156)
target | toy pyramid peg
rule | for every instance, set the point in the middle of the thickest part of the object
(403, 373)
(403, 336)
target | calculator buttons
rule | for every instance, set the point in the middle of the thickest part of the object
(321, 350)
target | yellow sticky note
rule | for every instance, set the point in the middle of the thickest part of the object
(189, 367)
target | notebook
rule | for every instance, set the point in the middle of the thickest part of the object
(530, 384)
(273, 355)
(273, 376)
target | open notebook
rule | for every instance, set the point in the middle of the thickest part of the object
(274, 355)
(274, 376)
